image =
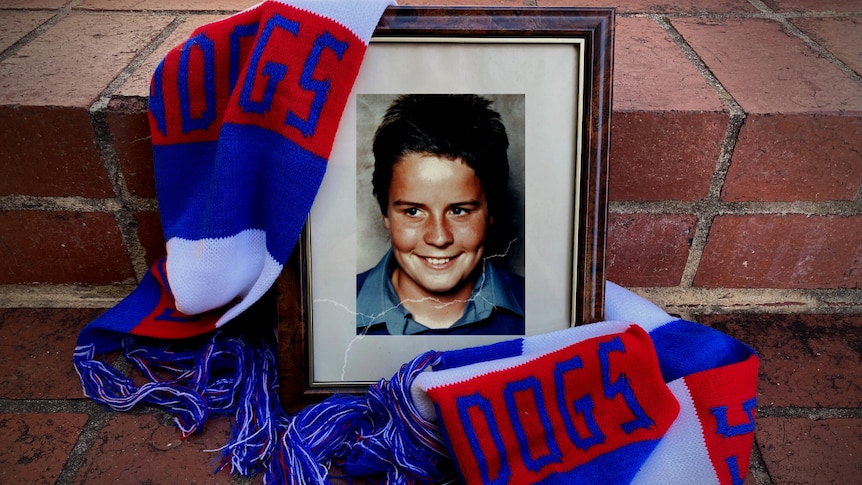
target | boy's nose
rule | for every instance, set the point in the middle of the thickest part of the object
(438, 233)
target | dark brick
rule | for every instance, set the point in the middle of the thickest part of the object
(151, 236)
(782, 251)
(146, 448)
(38, 344)
(62, 247)
(648, 249)
(36, 446)
(664, 155)
(805, 360)
(802, 451)
(50, 151)
(796, 157)
(130, 129)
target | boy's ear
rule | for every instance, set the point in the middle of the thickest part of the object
(385, 221)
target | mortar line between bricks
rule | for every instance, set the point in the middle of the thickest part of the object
(62, 296)
(812, 413)
(77, 204)
(709, 209)
(707, 212)
(758, 465)
(86, 439)
(41, 406)
(782, 18)
(844, 208)
(820, 50)
(60, 14)
(763, 15)
(123, 215)
(105, 143)
(135, 63)
(842, 301)
(72, 203)
(97, 418)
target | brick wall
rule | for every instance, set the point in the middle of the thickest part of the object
(736, 158)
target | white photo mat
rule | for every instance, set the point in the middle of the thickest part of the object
(549, 74)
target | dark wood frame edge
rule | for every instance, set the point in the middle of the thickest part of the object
(596, 26)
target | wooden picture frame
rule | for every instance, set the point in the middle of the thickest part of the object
(559, 62)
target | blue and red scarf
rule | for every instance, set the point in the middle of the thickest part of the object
(243, 116)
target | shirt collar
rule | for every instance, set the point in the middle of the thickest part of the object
(381, 305)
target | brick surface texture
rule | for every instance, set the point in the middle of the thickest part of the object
(734, 198)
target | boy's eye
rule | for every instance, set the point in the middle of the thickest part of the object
(460, 211)
(412, 212)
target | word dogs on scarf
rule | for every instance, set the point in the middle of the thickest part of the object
(643, 398)
(662, 401)
(243, 115)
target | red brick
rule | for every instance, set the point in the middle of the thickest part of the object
(796, 157)
(652, 74)
(191, 5)
(664, 155)
(37, 347)
(802, 451)
(648, 249)
(15, 25)
(815, 5)
(768, 70)
(659, 6)
(842, 36)
(138, 84)
(60, 247)
(668, 125)
(71, 63)
(33, 3)
(36, 446)
(143, 449)
(130, 129)
(50, 152)
(151, 236)
(782, 251)
(805, 360)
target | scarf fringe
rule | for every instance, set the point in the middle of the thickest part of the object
(380, 434)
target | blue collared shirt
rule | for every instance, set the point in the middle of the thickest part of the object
(496, 306)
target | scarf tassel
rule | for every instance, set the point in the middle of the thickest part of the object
(379, 434)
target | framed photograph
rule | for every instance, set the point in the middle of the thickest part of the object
(525, 252)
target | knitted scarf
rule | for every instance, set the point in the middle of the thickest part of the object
(643, 398)
(243, 116)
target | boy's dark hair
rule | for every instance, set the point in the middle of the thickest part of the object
(448, 125)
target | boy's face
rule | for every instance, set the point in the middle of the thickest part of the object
(437, 218)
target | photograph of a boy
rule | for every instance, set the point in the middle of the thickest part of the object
(441, 181)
